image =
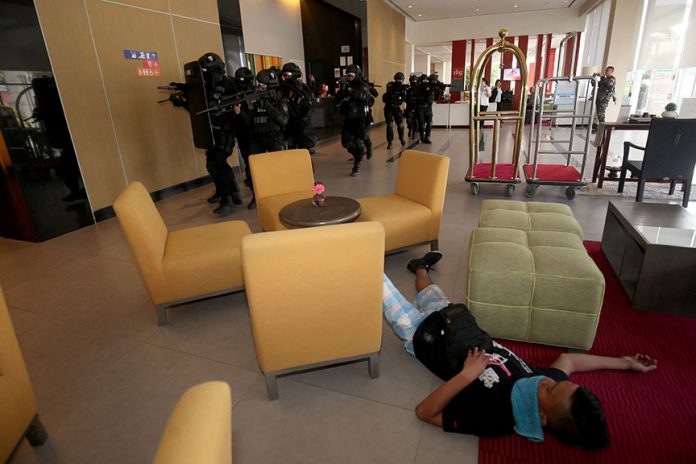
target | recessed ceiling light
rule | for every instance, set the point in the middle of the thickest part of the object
(410, 6)
(477, 9)
(420, 15)
(515, 6)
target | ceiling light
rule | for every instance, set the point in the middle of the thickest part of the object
(515, 6)
(477, 9)
(420, 15)
(410, 6)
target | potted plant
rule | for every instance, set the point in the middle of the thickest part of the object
(670, 111)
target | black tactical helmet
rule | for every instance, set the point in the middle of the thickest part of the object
(211, 62)
(291, 71)
(433, 78)
(244, 77)
(354, 69)
(412, 79)
(399, 77)
(268, 78)
(422, 78)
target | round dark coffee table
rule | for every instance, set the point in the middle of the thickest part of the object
(336, 210)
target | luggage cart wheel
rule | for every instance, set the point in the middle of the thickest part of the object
(509, 190)
(475, 188)
(571, 192)
(530, 191)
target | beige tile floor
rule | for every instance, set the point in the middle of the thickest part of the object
(107, 377)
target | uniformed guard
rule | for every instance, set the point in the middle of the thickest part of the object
(393, 98)
(606, 89)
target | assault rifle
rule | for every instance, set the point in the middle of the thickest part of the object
(180, 91)
(227, 102)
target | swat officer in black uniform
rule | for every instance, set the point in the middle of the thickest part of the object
(354, 99)
(393, 98)
(299, 131)
(243, 119)
(411, 106)
(217, 84)
(269, 117)
(429, 88)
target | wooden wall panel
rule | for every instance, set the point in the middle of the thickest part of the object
(159, 5)
(155, 140)
(66, 32)
(386, 37)
(207, 11)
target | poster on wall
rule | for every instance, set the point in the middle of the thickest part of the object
(457, 78)
(349, 60)
(337, 72)
(342, 61)
(661, 88)
(565, 93)
(345, 48)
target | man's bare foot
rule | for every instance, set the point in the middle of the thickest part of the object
(641, 363)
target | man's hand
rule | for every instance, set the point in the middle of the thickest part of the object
(640, 363)
(475, 363)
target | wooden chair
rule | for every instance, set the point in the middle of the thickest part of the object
(182, 265)
(200, 427)
(669, 155)
(413, 213)
(280, 178)
(315, 297)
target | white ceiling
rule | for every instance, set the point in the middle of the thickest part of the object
(426, 10)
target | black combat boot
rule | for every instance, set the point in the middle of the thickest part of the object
(226, 206)
(356, 169)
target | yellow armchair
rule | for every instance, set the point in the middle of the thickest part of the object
(315, 297)
(181, 265)
(413, 213)
(18, 408)
(200, 428)
(280, 178)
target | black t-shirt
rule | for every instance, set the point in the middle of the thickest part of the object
(484, 408)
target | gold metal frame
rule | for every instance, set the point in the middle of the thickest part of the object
(476, 116)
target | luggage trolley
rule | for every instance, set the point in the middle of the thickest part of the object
(565, 90)
(494, 172)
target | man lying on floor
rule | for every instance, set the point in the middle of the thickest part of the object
(489, 391)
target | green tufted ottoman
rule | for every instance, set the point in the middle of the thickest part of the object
(530, 277)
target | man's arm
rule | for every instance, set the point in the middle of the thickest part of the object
(578, 362)
(430, 409)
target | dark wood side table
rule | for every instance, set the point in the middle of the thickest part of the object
(651, 248)
(605, 130)
(336, 210)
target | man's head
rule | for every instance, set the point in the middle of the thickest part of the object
(266, 79)
(291, 72)
(399, 77)
(609, 71)
(353, 71)
(572, 413)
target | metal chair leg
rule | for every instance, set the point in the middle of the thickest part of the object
(687, 193)
(640, 190)
(373, 365)
(37, 433)
(161, 314)
(271, 386)
(622, 179)
(672, 186)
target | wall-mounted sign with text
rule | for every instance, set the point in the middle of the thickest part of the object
(139, 55)
(151, 66)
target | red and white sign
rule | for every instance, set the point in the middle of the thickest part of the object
(458, 72)
(148, 72)
(151, 63)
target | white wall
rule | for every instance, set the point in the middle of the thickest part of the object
(476, 27)
(421, 64)
(273, 27)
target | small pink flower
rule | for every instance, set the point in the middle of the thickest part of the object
(318, 188)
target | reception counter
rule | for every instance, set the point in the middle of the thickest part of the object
(455, 114)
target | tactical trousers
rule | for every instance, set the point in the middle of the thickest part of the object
(425, 120)
(221, 172)
(394, 115)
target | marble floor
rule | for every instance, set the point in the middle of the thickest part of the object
(107, 377)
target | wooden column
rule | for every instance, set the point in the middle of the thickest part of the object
(487, 74)
(521, 86)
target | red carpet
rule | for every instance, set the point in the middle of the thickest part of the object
(652, 417)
